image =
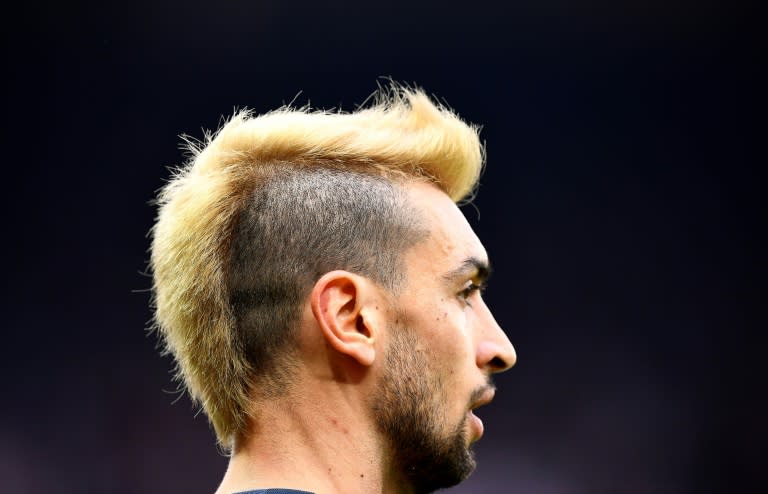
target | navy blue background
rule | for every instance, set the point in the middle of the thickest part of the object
(621, 206)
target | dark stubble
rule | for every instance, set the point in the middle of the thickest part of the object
(409, 408)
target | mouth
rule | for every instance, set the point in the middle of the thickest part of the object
(481, 397)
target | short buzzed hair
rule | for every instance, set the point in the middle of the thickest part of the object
(268, 205)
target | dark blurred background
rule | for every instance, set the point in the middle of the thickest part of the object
(621, 206)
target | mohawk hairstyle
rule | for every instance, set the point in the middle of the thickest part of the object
(239, 238)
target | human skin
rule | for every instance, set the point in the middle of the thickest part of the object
(442, 303)
(323, 434)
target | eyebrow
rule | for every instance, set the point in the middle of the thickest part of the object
(471, 267)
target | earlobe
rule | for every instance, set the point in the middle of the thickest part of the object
(338, 302)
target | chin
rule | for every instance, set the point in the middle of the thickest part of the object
(429, 450)
(451, 462)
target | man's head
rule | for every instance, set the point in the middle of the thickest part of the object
(264, 214)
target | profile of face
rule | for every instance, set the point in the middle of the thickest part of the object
(443, 346)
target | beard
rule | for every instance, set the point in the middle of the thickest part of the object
(410, 412)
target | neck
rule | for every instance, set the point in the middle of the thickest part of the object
(305, 444)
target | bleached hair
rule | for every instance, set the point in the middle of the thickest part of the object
(239, 237)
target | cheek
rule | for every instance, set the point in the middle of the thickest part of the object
(447, 315)
(452, 346)
(451, 330)
(444, 333)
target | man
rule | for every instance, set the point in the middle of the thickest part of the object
(320, 292)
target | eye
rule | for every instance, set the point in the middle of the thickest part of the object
(470, 289)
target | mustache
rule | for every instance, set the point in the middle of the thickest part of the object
(478, 393)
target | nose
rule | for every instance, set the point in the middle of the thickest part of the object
(494, 350)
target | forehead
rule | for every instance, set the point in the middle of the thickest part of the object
(451, 240)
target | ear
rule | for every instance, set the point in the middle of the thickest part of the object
(339, 304)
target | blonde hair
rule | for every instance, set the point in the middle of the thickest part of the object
(403, 135)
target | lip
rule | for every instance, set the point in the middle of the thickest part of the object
(485, 396)
(477, 424)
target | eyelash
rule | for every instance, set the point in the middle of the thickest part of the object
(469, 290)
